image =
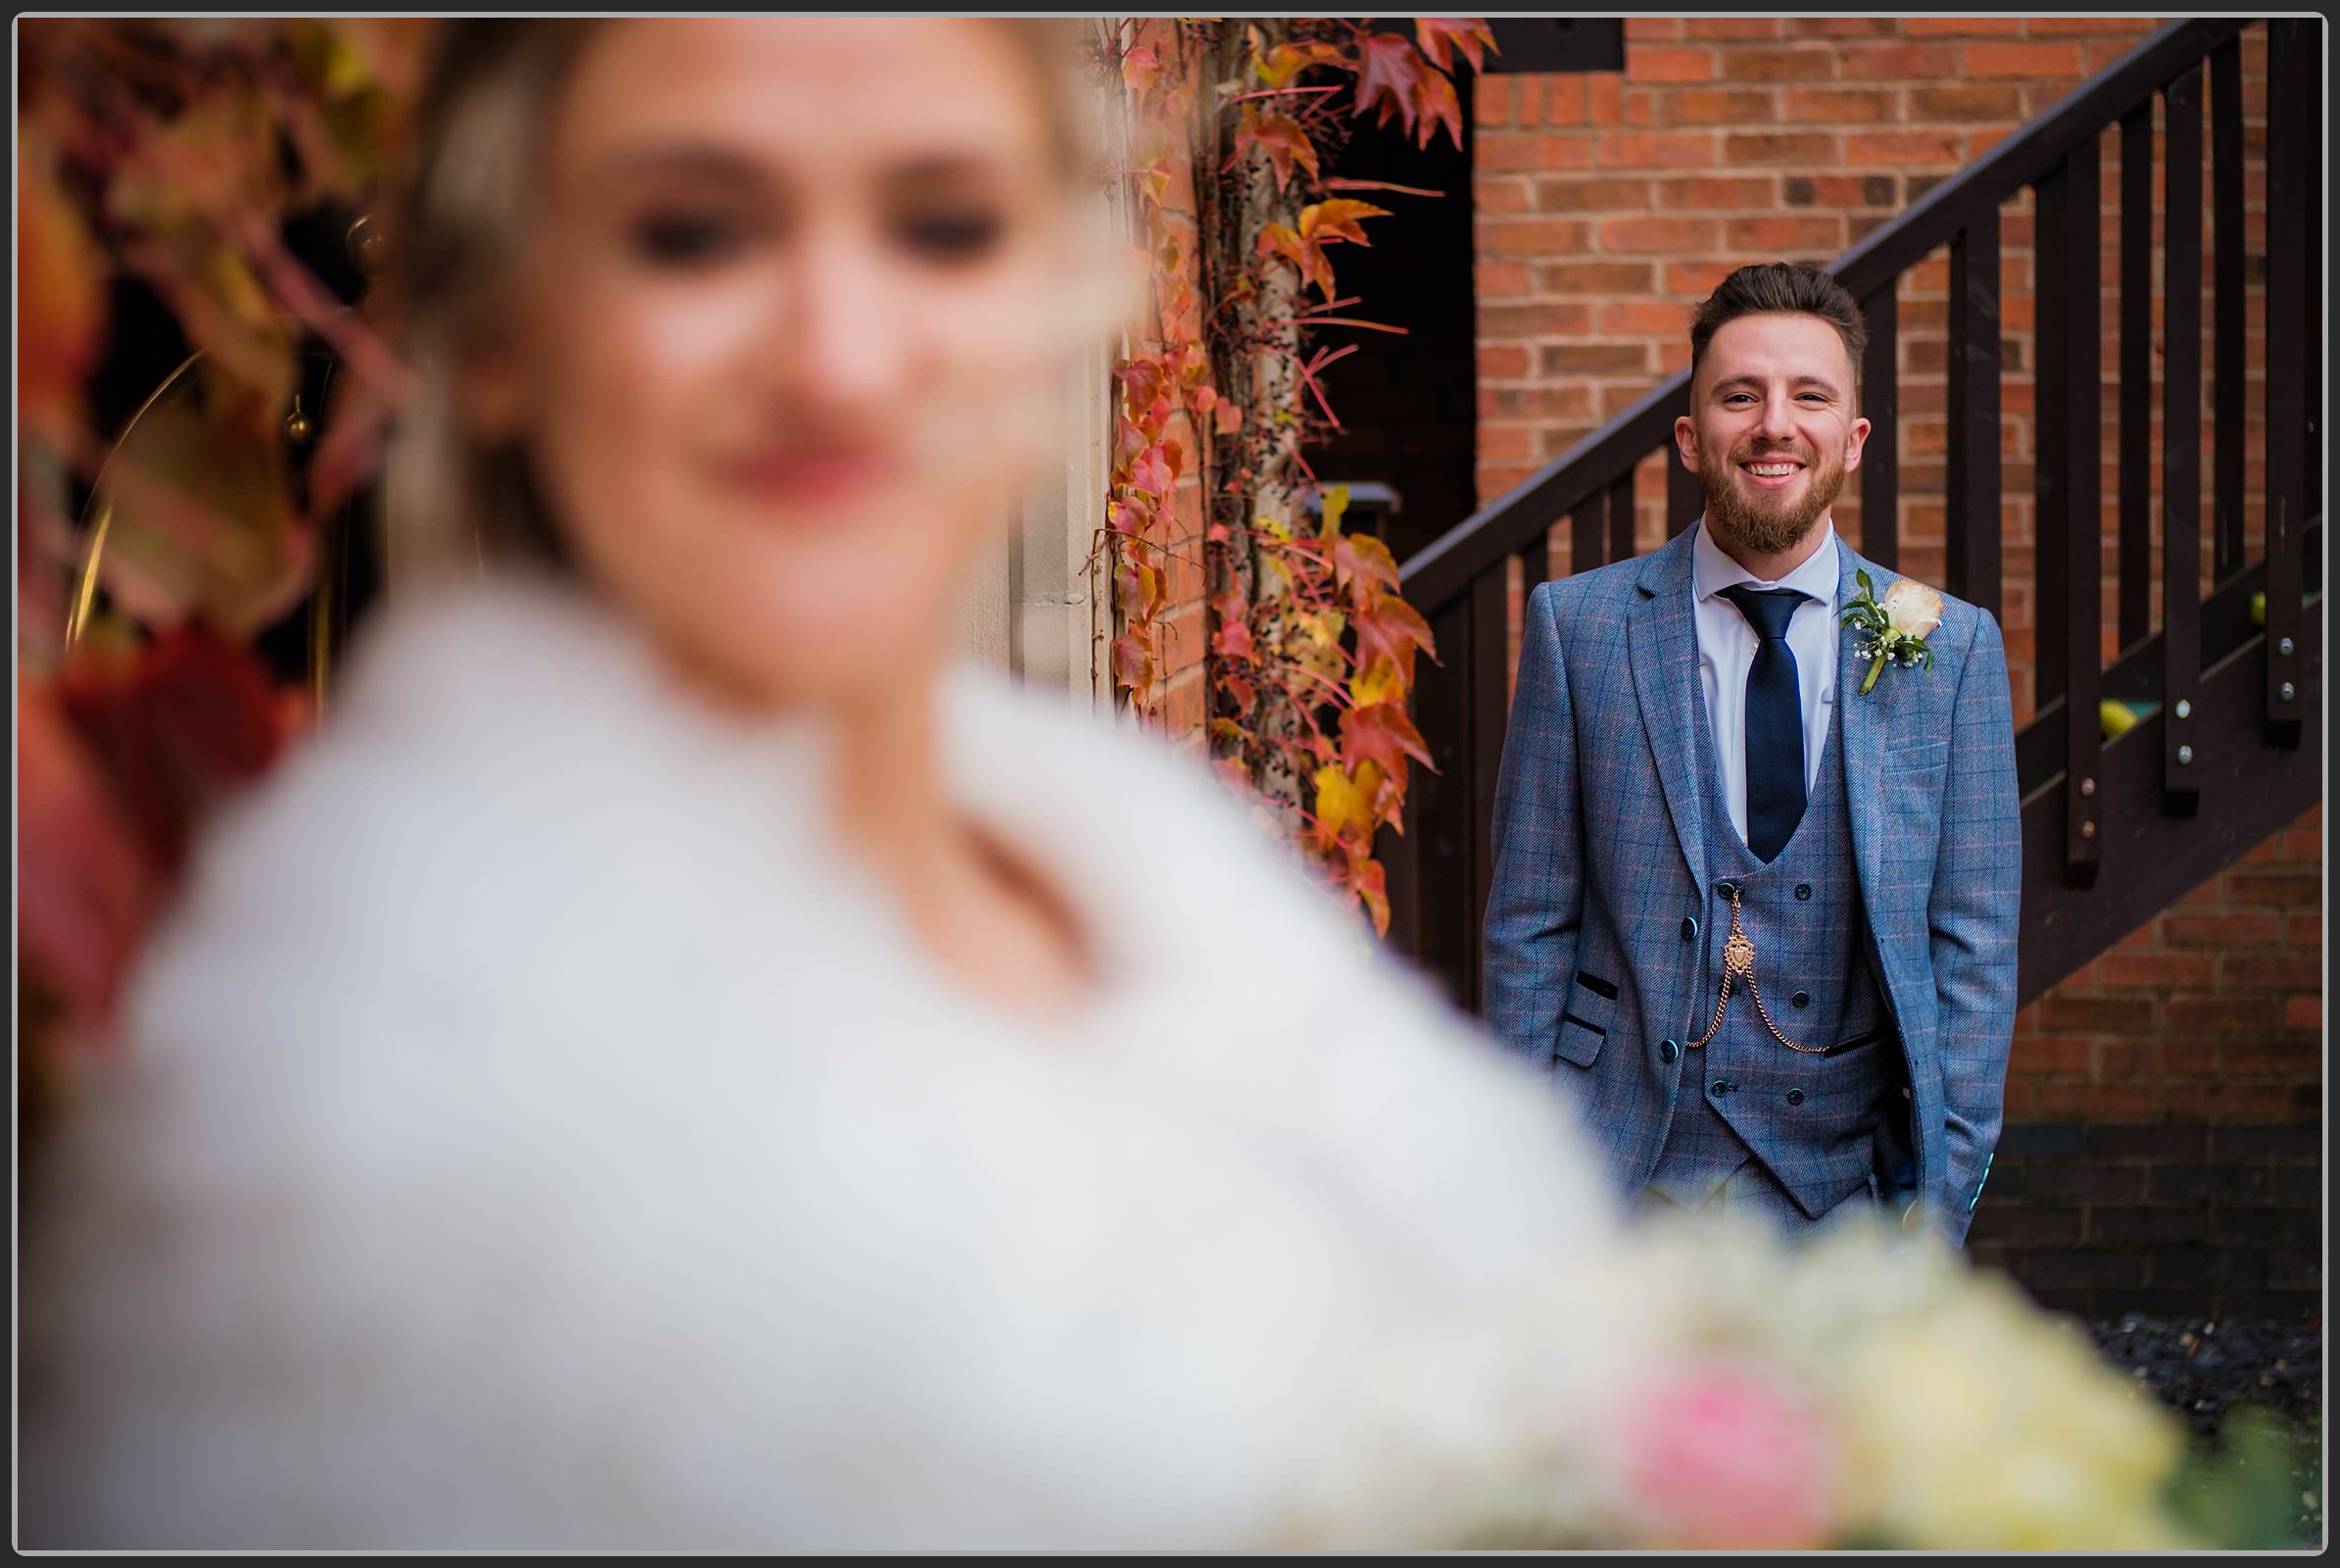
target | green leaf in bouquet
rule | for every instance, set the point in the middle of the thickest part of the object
(2243, 1494)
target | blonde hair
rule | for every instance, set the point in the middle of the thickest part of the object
(453, 504)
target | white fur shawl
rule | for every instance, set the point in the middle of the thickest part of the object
(534, 1134)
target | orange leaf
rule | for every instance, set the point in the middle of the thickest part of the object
(1394, 630)
(1437, 105)
(1361, 561)
(61, 295)
(1340, 218)
(1280, 137)
(1468, 36)
(1382, 737)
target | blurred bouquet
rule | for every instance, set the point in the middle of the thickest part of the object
(1863, 1390)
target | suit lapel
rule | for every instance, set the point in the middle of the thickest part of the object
(1860, 727)
(1663, 639)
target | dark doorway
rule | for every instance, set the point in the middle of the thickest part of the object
(1408, 405)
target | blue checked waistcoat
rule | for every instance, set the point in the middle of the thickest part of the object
(1604, 925)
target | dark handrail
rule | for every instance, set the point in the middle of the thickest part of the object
(1441, 573)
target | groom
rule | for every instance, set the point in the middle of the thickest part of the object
(1760, 920)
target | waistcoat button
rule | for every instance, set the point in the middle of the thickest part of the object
(1689, 929)
(1795, 1097)
(1725, 889)
(1803, 892)
(1667, 1050)
(1802, 998)
(1718, 1087)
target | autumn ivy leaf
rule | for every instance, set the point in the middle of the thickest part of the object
(1388, 77)
(1227, 417)
(1334, 505)
(1344, 803)
(1277, 68)
(1392, 630)
(1468, 36)
(1362, 566)
(1339, 218)
(1151, 472)
(1382, 736)
(83, 889)
(61, 295)
(1133, 662)
(1233, 640)
(1370, 881)
(1173, 454)
(1438, 106)
(1379, 682)
(1241, 694)
(1140, 66)
(1280, 137)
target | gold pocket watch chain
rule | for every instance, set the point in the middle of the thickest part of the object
(1738, 960)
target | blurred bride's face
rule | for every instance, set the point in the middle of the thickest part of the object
(782, 351)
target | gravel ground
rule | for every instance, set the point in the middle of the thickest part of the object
(2205, 1370)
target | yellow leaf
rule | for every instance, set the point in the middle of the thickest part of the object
(1336, 504)
(1381, 684)
(1345, 804)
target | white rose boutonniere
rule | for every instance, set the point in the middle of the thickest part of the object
(1895, 629)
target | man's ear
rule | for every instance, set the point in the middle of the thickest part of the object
(1855, 439)
(1685, 442)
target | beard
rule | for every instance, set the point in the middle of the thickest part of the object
(1763, 524)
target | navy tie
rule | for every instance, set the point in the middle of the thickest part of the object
(1775, 720)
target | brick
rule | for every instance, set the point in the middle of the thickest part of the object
(2127, 1225)
(1716, 106)
(1493, 197)
(1962, 26)
(1784, 233)
(1576, 359)
(1652, 318)
(2195, 1301)
(1502, 361)
(1563, 98)
(1900, 62)
(2084, 1178)
(1927, 147)
(1801, 62)
(1571, 402)
(2236, 928)
(1522, 151)
(2159, 970)
(1506, 443)
(1804, 149)
(2293, 1265)
(1660, 149)
(1968, 101)
(2285, 887)
(2021, 1225)
(1502, 279)
(2039, 1138)
(1604, 99)
(2268, 1142)
(1668, 64)
(2298, 971)
(2093, 1099)
(1533, 238)
(2261, 1223)
(1842, 27)
(1696, 279)
(2097, 1014)
(1591, 193)
(2158, 1142)
(2208, 1265)
(2303, 1012)
(2054, 62)
(2053, 1056)
(1534, 320)
(2078, 1268)
(2179, 1183)
(1597, 277)
(1491, 100)
(1838, 106)
(1733, 30)
(2076, 26)
(1714, 192)
(1665, 236)
(1653, 29)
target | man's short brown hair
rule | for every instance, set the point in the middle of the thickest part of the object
(1781, 288)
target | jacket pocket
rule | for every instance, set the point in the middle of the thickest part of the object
(1584, 1023)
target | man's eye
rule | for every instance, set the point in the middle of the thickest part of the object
(681, 239)
(950, 237)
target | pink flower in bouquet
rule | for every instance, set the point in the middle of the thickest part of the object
(1718, 1459)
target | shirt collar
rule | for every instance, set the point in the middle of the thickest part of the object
(1711, 571)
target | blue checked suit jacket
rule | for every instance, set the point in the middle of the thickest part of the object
(1599, 853)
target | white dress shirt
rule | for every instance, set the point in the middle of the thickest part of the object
(1727, 649)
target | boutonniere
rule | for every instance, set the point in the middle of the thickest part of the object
(1895, 629)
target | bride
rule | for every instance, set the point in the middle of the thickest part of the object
(677, 1063)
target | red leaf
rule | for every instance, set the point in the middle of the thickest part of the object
(1133, 662)
(1468, 36)
(1227, 417)
(1394, 630)
(1282, 138)
(1439, 106)
(1140, 67)
(1389, 77)
(1370, 881)
(1240, 694)
(1338, 219)
(61, 296)
(83, 889)
(1382, 735)
(1363, 566)
(1233, 640)
(1151, 472)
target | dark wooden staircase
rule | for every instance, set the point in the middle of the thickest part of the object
(2228, 681)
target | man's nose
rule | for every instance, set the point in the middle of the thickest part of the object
(1778, 426)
